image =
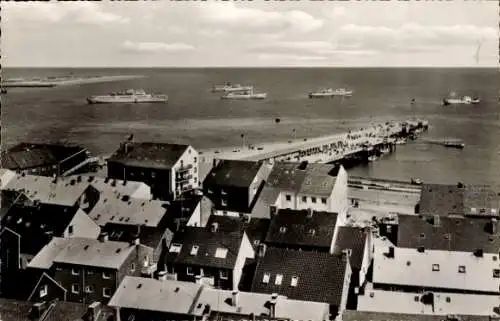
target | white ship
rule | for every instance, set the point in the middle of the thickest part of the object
(465, 100)
(245, 95)
(228, 87)
(128, 96)
(331, 93)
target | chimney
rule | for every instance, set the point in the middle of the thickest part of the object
(262, 250)
(93, 311)
(390, 254)
(37, 310)
(198, 279)
(493, 226)
(214, 227)
(234, 299)
(272, 305)
(436, 221)
(310, 212)
(103, 237)
(162, 275)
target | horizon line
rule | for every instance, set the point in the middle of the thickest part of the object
(242, 67)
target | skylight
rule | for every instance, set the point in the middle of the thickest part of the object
(283, 229)
(221, 252)
(279, 279)
(266, 278)
(175, 248)
(295, 280)
(194, 250)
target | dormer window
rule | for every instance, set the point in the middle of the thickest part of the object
(175, 248)
(461, 269)
(295, 280)
(221, 253)
(435, 267)
(288, 198)
(189, 270)
(194, 250)
(223, 192)
(496, 273)
(422, 235)
(266, 278)
(283, 229)
(44, 290)
(313, 199)
(279, 279)
(311, 231)
(75, 272)
(323, 200)
(304, 199)
(223, 202)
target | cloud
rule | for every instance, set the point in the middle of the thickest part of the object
(338, 12)
(156, 47)
(283, 58)
(79, 12)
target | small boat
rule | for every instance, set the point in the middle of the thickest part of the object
(128, 96)
(341, 92)
(245, 95)
(228, 87)
(416, 181)
(464, 100)
(451, 144)
(372, 158)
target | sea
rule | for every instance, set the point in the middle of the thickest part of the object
(196, 116)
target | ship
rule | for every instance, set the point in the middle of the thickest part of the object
(245, 95)
(323, 93)
(128, 96)
(464, 100)
(416, 181)
(454, 144)
(228, 87)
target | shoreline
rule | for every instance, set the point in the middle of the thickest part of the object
(67, 81)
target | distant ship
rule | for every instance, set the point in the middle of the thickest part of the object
(331, 93)
(245, 95)
(228, 87)
(465, 100)
(454, 144)
(128, 96)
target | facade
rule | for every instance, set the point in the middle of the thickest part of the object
(169, 169)
(89, 270)
(234, 185)
(210, 257)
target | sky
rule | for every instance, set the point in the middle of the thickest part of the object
(251, 33)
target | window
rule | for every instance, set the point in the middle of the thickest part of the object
(422, 235)
(256, 242)
(58, 268)
(266, 278)
(106, 275)
(435, 267)
(195, 180)
(288, 197)
(461, 269)
(195, 159)
(153, 174)
(304, 199)
(75, 288)
(70, 229)
(295, 280)
(221, 253)
(223, 274)
(189, 270)
(283, 229)
(496, 273)
(323, 200)
(223, 202)
(132, 267)
(106, 292)
(89, 289)
(90, 272)
(279, 279)
(194, 250)
(44, 290)
(175, 248)
(75, 272)
(311, 231)
(209, 191)
(313, 199)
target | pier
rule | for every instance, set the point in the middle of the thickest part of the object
(360, 145)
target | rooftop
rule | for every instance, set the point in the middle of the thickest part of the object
(153, 155)
(5, 176)
(198, 246)
(130, 188)
(448, 233)
(302, 227)
(256, 228)
(350, 315)
(237, 173)
(353, 238)
(21, 311)
(83, 251)
(301, 275)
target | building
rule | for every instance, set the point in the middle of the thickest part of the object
(459, 199)
(255, 228)
(169, 169)
(358, 241)
(431, 303)
(141, 299)
(350, 315)
(302, 275)
(44, 159)
(87, 269)
(306, 230)
(451, 254)
(210, 257)
(234, 185)
(321, 187)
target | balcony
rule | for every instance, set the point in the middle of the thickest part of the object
(184, 168)
(184, 178)
(149, 269)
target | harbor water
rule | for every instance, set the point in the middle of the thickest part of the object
(196, 116)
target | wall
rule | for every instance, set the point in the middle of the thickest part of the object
(367, 257)
(195, 219)
(339, 202)
(54, 290)
(317, 205)
(245, 251)
(189, 157)
(283, 203)
(9, 261)
(345, 289)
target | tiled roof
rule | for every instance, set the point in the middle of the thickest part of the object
(451, 233)
(153, 155)
(298, 227)
(353, 238)
(237, 173)
(481, 197)
(320, 276)
(5, 176)
(351, 315)
(156, 295)
(88, 252)
(207, 242)
(130, 188)
(256, 228)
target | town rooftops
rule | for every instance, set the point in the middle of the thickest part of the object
(238, 173)
(30, 155)
(47, 190)
(155, 295)
(123, 209)
(302, 227)
(113, 186)
(201, 247)
(256, 228)
(353, 238)
(311, 179)
(448, 233)
(83, 251)
(152, 155)
(351, 315)
(301, 275)
(60, 310)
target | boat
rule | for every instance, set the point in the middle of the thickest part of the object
(464, 100)
(245, 95)
(331, 93)
(228, 87)
(128, 96)
(451, 144)
(372, 158)
(416, 181)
